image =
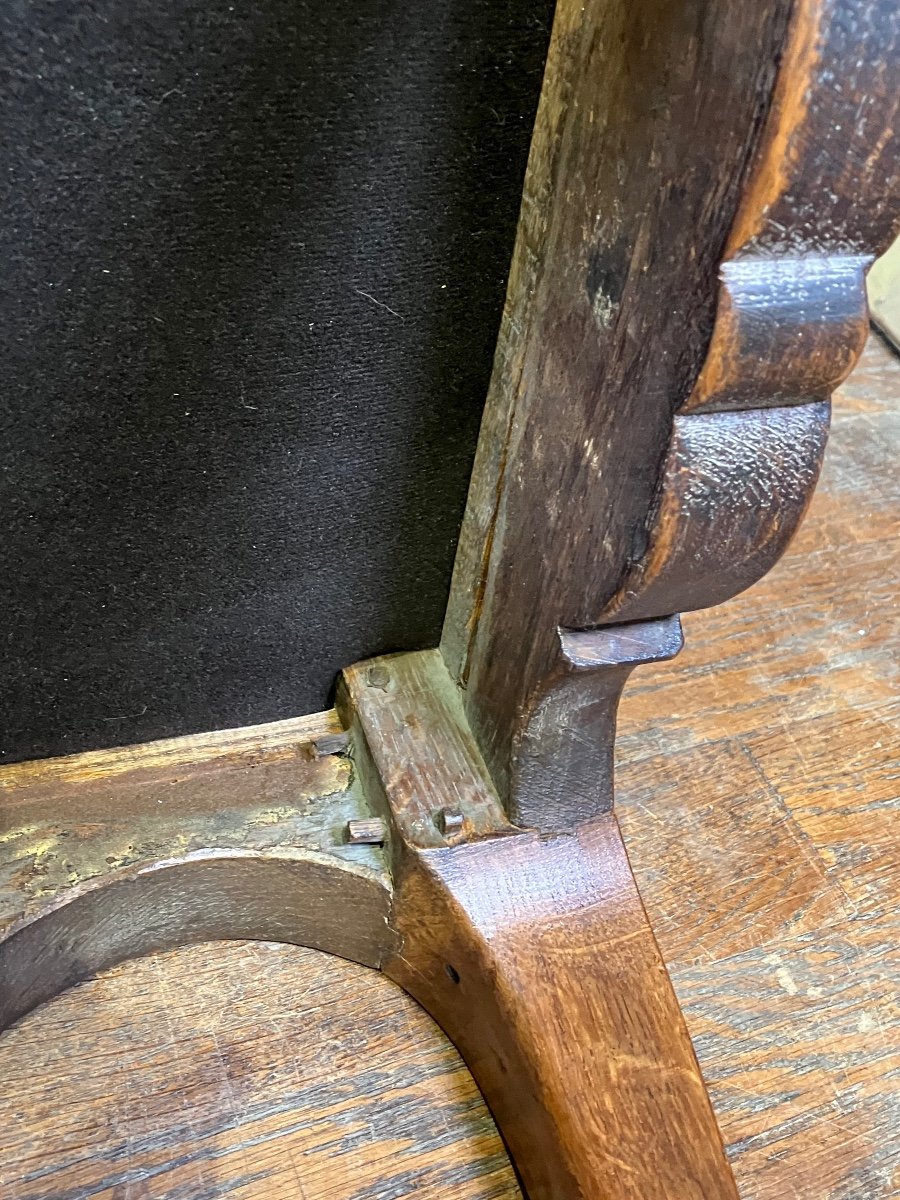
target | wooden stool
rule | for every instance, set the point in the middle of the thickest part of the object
(705, 191)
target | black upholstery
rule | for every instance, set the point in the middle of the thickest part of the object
(253, 262)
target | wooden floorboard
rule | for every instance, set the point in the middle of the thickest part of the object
(758, 785)
(758, 791)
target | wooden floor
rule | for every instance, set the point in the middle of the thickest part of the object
(758, 784)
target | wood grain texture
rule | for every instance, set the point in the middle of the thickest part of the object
(535, 955)
(827, 169)
(788, 330)
(734, 487)
(588, 505)
(287, 895)
(533, 952)
(818, 209)
(246, 746)
(412, 741)
(562, 759)
(65, 822)
(791, 318)
(758, 793)
(240, 834)
(646, 126)
(245, 1070)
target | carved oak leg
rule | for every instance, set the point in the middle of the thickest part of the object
(706, 189)
(535, 955)
(687, 289)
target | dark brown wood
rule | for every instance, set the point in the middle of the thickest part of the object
(789, 328)
(826, 173)
(555, 783)
(648, 120)
(591, 502)
(734, 488)
(635, 460)
(535, 956)
(791, 319)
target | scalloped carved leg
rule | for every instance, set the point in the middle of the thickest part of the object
(673, 329)
(733, 490)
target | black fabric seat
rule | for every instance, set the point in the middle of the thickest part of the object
(254, 259)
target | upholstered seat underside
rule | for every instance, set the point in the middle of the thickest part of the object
(254, 258)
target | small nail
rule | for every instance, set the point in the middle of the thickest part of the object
(378, 677)
(449, 821)
(365, 831)
(330, 743)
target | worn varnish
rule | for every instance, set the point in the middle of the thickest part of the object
(110, 854)
(788, 329)
(536, 956)
(634, 180)
(791, 319)
(409, 728)
(758, 794)
(734, 487)
(641, 457)
(534, 953)
(530, 945)
(559, 1001)
(563, 754)
(252, 1070)
(819, 206)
